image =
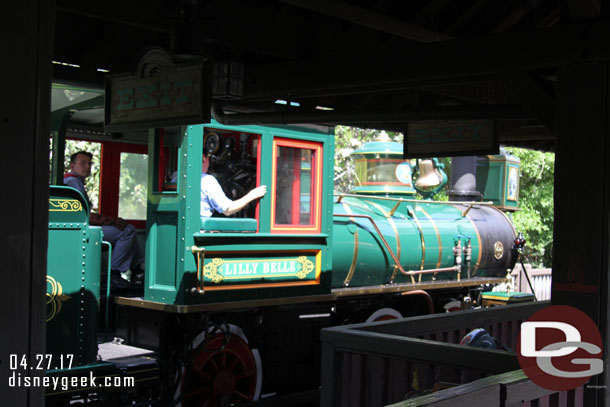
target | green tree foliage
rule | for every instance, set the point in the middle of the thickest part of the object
(535, 217)
(132, 186)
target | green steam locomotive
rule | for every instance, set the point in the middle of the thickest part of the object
(231, 307)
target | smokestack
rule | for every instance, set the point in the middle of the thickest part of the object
(464, 179)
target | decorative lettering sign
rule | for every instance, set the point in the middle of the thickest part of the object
(220, 270)
(159, 93)
(450, 138)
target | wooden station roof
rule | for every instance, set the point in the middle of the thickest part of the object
(376, 64)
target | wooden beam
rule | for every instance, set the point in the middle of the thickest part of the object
(465, 18)
(580, 235)
(24, 124)
(516, 52)
(583, 9)
(370, 19)
(523, 134)
(532, 95)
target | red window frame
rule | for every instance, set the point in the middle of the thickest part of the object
(110, 163)
(315, 224)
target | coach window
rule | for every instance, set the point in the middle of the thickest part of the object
(132, 185)
(123, 178)
(296, 186)
(92, 183)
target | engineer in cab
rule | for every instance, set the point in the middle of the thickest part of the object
(214, 199)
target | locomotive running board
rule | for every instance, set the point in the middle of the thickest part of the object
(404, 287)
(221, 306)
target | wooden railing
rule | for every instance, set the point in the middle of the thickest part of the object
(377, 364)
(511, 389)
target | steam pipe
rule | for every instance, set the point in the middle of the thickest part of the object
(426, 296)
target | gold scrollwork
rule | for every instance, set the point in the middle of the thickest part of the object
(306, 267)
(65, 205)
(55, 298)
(210, 270)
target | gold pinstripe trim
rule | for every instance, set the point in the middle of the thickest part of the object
(398, 246)
(474, 225)
(423, 243)
(352, 267)
(438, 237)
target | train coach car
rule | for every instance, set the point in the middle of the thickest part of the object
(231, 307)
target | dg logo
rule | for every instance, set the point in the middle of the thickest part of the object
(560, 348)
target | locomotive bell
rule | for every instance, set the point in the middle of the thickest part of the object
(429, 176)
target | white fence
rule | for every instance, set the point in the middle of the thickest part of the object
(540, 279)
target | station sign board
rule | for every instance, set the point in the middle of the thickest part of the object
(450, 138)
(157, 93)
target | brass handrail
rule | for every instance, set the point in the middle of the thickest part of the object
(387, 246)
(441, 270)
(385, 198)
(199, 253)
(385, 243)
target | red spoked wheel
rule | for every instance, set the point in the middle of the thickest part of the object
(453, 306)
(228, 376)
(384, 314)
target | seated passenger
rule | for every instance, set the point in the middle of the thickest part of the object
(213, 198)
(120, 234)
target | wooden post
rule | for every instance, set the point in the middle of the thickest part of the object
(26, 46)
(582, 184)
(329, 375)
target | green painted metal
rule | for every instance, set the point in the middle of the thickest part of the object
(498, 180)
(421, 234)
(241, 264)
(174, 228)
(73, 277)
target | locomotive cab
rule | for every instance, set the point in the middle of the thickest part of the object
(276, 246)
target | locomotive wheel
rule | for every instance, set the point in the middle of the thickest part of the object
(384, 314)
(232, 375)
(453, 306)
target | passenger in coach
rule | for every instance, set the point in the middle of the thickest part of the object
(213, 198)
(122, 235)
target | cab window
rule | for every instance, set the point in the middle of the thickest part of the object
(295, 193)
(123, 179)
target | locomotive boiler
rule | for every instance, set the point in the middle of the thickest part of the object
(382, 235)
